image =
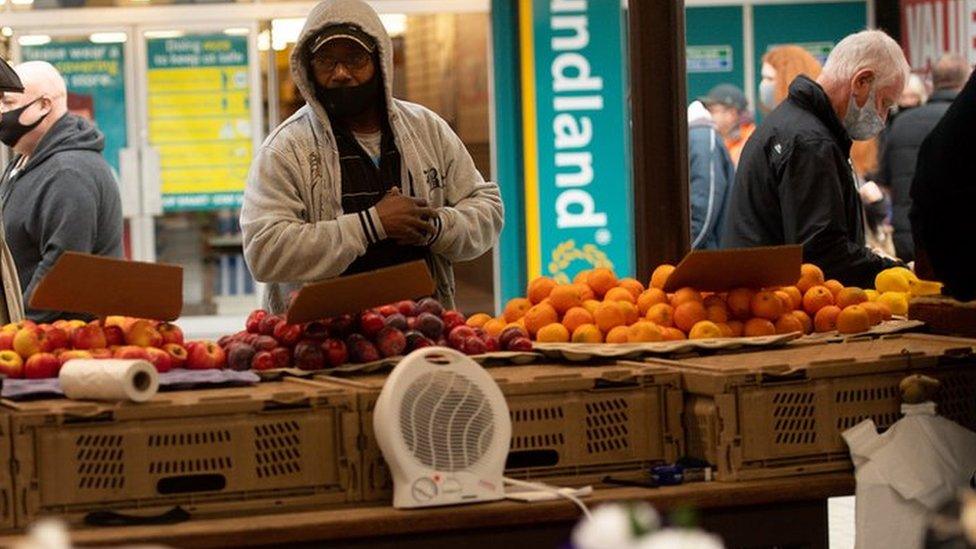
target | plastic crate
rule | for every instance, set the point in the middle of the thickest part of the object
(780, 413)
(7, 517)
(281, 445)
(570, 425)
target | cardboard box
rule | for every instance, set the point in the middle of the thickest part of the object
(945, 315)
(723, 270)
(102, 286)
(570, 426)
(584, 352)
(7, 517)
(781, 412)
(355, 293)
(283, 445)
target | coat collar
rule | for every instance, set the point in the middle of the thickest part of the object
(810, 96)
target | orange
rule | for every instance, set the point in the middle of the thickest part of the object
(661, 314)
(834, 286)
(817, 298)
(539, 316)
(737, 327)
(826, 319)
(478, 320)
(601, 280)
(885, 310)
(705, 330)
(539, 289)
(758, 327)
(591, 305)
(674, 334)
(796, 298)
(632, 285)
(810, 276)
(688, 314)
(620, 294)
(630, 311)
(713, 299)
(553, 333)
(618, 335)
(739, 302)
(725, 329)
(717, 313)
(576, 317)
(805, 320)
(850, 296)
(875, 314)
(660, 276)
(581, 277)
(584, 290)
(608, 316)
(786, 299)
(684, 295)
(767, 305)
(587, 333)
(644, 332)
(495, 327)
(565, 297)
(649, 298)
(516, 308)
(788, 324)
(853, 320)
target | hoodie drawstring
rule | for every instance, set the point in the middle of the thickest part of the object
(711, 193)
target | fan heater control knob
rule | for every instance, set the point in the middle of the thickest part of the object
(424, 489)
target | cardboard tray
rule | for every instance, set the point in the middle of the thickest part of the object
(584, 352)
(502, 358)
(889, 327)
(781, 412)
(570, 426)
(285, 445)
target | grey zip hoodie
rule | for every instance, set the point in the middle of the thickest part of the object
(65, 198)
(294, 228)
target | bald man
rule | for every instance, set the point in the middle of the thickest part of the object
(58, 193)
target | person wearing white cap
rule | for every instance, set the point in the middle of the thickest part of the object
(11, 300)
(357, 180)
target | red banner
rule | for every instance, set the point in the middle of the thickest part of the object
(933, 28)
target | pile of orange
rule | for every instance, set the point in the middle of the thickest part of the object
(600, 308)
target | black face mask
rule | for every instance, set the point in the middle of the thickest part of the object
(350, 101)
(11, 130)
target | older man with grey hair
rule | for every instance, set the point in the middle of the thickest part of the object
(58, 193)
(796, 184)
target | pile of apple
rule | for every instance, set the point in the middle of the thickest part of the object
(37, 351)
(269, 341)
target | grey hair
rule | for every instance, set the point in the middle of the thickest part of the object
(870, 49)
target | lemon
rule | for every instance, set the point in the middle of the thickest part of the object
(924, 287)
(891, 280)
(907, 273)
(896, 301)
(872, 295)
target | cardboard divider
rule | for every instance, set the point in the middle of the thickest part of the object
(355, 293)
(580, 352)
(723, 270)
(102, 286)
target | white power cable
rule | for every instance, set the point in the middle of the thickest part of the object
(552, 490)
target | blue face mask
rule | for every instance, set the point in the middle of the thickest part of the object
(863, 123)
(767, 95)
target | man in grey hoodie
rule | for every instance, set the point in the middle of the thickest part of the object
(357, 180)
(58, 193)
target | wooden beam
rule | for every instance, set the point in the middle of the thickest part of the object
(660, 132)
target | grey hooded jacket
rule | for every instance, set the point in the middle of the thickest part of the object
(294, 228)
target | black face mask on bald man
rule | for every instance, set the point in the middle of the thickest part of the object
(11, 129)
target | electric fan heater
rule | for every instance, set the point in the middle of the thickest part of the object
(443, 426)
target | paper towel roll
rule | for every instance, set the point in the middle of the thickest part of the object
(85, 379)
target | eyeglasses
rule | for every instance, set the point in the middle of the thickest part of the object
(354, 62)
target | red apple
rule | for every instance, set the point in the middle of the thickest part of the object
(7, 340)
(177, 354)
(114, 335)
(316, 330)
(391, 342)
(268, 324)
(282, 357)
(70, 355)
(263, 361)
(408, 308)
(308, 355)
(11, 365)
(264, 343)
(253, 323)
(474, 346)
(491, 344)
(132, 352)
(42, 366)
(100, 354)
(142, 333)
(160, 359)
(171, 333)
(239, 356)
(336, 352)
(370, 324)
(459, 334)
(288, 334)
(452, 319)
(53, 339)
(387, 310)
(205, 355)
(27, 341)
(89, 336)
(520, 344)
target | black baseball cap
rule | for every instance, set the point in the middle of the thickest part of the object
(728, 95)
(347, 31)
(9, 81)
